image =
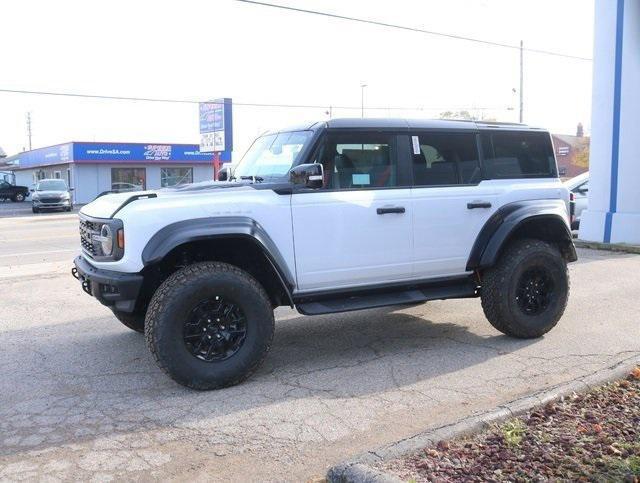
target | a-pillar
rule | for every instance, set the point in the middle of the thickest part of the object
(613, 214)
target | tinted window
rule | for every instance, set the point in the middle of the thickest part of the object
(175, 176)
(445, 159)
(128, 179)
(51, 185)
(358, 160)
(518, 155)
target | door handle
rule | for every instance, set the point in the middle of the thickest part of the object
(478, 204)
(395, 209)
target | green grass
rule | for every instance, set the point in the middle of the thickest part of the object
(513, 432)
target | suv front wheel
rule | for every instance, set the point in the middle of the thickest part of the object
(209, 325)
(525, 293)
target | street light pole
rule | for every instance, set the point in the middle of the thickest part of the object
(29, 128)
(521, 80)
(362, 86)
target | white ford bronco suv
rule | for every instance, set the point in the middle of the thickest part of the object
(335, 216)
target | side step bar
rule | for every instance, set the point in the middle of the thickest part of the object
(379, 297)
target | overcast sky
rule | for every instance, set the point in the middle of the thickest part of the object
(202, 50)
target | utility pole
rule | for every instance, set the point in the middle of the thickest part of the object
(29, 128)
(362, 86)
(521, 79)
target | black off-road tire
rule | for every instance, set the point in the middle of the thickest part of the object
(499, 292)
(133, 321)
(174, 301)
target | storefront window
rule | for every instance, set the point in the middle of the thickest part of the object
(128, 179)
(175, 176)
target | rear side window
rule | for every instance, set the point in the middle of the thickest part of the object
(445, 159)
(518, 155)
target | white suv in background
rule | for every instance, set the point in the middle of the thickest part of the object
(329, 217)
(579, 192)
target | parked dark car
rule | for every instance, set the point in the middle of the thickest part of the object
(12, 192)
(51, 194)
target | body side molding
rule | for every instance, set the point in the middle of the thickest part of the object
(503, 223)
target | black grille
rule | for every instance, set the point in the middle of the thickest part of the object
(50, 200)
(87, 230)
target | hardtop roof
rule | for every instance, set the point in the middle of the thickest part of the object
(402, 124)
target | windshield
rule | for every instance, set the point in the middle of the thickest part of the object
(51, 185)
(272, 155)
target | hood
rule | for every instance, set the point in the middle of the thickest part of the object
(107, 205)
(45, 194)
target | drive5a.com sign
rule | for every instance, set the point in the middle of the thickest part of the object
(215, 126)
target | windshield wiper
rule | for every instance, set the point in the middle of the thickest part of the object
(255, 179)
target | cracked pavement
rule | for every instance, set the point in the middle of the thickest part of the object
(81, 399)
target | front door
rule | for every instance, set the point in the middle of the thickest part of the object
(357, 229)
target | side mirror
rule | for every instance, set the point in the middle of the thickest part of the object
(71, 189)
(224, 174)
(31, 189)
(582, 191)
(309, 175)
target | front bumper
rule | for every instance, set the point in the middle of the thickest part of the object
(57, 205)
(117, 290)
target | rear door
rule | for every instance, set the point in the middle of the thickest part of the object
(357, 229)
(449, 201)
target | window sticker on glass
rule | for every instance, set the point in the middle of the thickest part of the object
(416, 144)
(360, 179)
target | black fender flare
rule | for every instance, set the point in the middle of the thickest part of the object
(504, 222)
(181, 232)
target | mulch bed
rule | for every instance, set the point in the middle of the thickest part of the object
(585, 437)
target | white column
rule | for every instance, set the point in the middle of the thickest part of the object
(614, 181)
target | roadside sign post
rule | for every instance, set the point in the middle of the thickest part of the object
(216, 129)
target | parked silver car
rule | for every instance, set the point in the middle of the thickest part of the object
(51, 194)
(579, 190)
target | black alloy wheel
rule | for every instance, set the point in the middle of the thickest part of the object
(535, 291)
(215, 330)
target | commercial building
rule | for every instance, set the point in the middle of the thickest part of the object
(93, 168)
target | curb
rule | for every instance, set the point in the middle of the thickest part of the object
(612, 247)
(358, 470)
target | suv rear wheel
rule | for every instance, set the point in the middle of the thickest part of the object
(209, 325)
(19, 197)
(525, 293)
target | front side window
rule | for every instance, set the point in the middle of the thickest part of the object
(272, 155)
(518, 155)
(128, 179)
(51, 185)
(445, 159)
(175, 176)
(358, 160)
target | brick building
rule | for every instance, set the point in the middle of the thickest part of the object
(572, 153)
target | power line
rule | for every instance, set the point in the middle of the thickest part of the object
(243, 104)
(414, 29)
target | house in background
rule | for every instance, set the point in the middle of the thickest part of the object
(572, 153)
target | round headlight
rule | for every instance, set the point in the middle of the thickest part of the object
(106, 242)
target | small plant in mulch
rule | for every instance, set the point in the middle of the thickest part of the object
(585, 437)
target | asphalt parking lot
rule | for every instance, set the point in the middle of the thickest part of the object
(10, 208)
(81, 399)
